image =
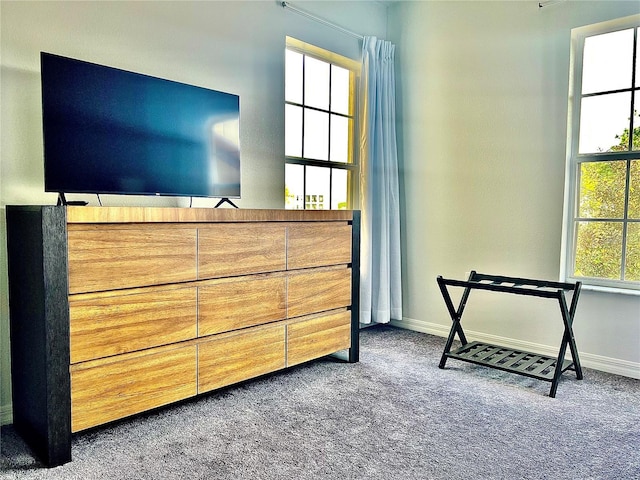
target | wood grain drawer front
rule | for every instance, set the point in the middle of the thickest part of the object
(233, 358)
(318, 245)
(103, 258)
(119, 389)
(233, 305)
(317, 291)
(106, 326)
(226, 250)
(318, 337)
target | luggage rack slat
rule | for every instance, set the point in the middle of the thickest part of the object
(536, 366)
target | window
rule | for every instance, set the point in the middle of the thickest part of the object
(603, 228)
(320, 162)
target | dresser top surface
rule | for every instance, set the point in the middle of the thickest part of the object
(77, 214)
(88, 215)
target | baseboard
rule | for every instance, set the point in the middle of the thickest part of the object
(6, 414)
(420, 326)
(588, 360)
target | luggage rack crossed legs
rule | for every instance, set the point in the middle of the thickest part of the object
(529, 364)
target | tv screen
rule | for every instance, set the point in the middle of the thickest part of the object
(107, 130)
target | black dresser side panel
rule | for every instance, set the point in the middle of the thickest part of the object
(354, 351)
(39, 324)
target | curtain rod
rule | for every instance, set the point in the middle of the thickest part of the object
(548, 3)
(288, 5)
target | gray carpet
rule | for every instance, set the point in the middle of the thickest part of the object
(394, 415)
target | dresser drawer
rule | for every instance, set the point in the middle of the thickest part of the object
(239, 304)
(318, 245)
(230, 358)
(110, 325)
(102, 257)
(114, 390)
(317, 337)
(318, 290)
(238, 249)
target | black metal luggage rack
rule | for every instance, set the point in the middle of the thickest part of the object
(524, 363)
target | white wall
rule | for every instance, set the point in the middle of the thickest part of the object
(233, 46)
(483, 111)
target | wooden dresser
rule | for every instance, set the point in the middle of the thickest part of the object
(118, 310)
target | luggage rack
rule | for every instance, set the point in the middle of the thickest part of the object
(529, 364)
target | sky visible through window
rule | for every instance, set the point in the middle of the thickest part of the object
(607, 67)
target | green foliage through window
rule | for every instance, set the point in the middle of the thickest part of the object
(599, 243)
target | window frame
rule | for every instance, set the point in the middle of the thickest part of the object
(574, 159)
(352, 165)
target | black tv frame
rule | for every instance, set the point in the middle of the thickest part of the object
(201, 150)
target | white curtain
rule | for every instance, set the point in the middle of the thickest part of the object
(380, 282)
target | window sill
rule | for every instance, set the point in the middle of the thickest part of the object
(619, 291)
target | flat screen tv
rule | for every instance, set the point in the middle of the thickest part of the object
(112, 131)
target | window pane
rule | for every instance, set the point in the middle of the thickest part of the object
(317, 193)
(603, 121)
(339, 139)
(599, 250)
(316, 83)
(293, 77)
(632, 267)
(339, 90)
(339, 189)
(292, 131)
(607, 62)
(602, 187)
(637, 66)
(316, 135)
(634, 191)
(293, 186)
